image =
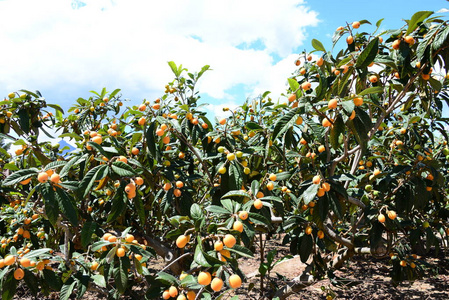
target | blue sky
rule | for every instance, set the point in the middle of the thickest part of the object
(65, 48)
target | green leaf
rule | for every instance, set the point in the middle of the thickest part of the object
(417, 18)
(305, 247)
(54, 165)
(196, 212)
(9, 286)
(348, 106)
(310, 193)
(99, 280)
(368, 54)
(166, 278)
(118, 204)
(336, 130)
(19, 176)
(199, 256)
(242, 251)
(24, 120)
(174, 68)
(257, 218)
(318, 45)
(74, 161)
(122, 169)
(285, 123)
(440, 39)
(67, 289)
(235, 193)
(38, 253)
(121, 276)
(372, 90)
(86, 233)
(294, 85)
(66, 206)
(217, 209)
(138, 204)
(89, 179)
(31, 282)
(50, 202)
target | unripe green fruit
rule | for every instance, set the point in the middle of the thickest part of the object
(221, 149)
(23, 96)
(11, 95)
(425, 224)
(376, 193)
(368, 188)
(446, 151)
(239, 154)
(246, 170)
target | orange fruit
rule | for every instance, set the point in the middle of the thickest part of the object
(320, 62)
(142, 107)
(302, 71)
(320, 234)
(222, 121)
(303, 141)
(19, 274)
(166, 295)
(55, 178)
(204, 278)
(306, 86)
(243, 215)
(177, 192)
(392, 214)
(238, 226)
(396, 44)
(358, 101)
(142, 121)
(138, 180)
(26, 181)
(292, 98)
(316, 179)
(173, 291)
(327, 122)
(25, 262)
(182, 241)
(112, 238)
(352, 116)
(179, 184)
(229, 240)
(129, 238)
(135, 151)
(235, 281)
(332, 103)
(350, 40)
(272, 177)
(373, 79)
(270, 186)
(321, 148)
(409, 40)
(381, 218)
(356, 24)
(320, 192)
(216, 284)
(191, 295)
(42, 177)
(130, 188)
(297, 62)
(97, 139)
(123, 159)
(258, 204)
(326, 186)
(120, 252)
(403, 263)
(218, 246)
(308, 230)
(167, 186)
(94, 265)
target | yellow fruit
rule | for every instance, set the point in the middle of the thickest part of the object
(120, 252)
(216, 284)
(166, 295)
(235, 281)
(238, 226)
(42, 177)
(333, 103)
(218, 246)
(243, 215)
(204, 278)
(138, 180)
(19, 274)
(129, 238)
(321, 148)
(350, 40)
(229, 240)
(182, 241)
(258, 204)
(9, 260)
(25, 262)
(173, 291)
(97, 139)
(55, 178)
(381, 218)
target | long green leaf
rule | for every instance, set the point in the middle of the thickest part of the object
(50, 202)
(86, 233)
(337, 130)
(235, 193)
(19, 176)
(284, 123)
(417, 18)
(9, 286)
(122, 169)
(372, 90)
(89, 179)
(318, 45)
(67, 289)
(368, 54)
(66, 206)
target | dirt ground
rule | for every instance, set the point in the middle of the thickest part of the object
(372, 276)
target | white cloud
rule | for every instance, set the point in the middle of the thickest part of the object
(125, 44)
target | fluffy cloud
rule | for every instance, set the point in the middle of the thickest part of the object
(65, 52)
